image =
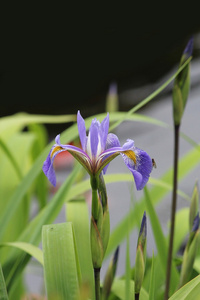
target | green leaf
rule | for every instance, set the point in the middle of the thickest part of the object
(28, 248)
(189, 291)
(128, 294)
(152, 280)
(186, 164)
(84, 185)
(32, 233)
(181, 228)
(3, 291)
(151, 96)
(160, 240)
(77, 213)
(61, 269)
(119, 289)
(12, 124)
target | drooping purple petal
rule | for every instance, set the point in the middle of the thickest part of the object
(78, 153)
(104, 127)
(81, 130)
(140, 168)
(48, 168)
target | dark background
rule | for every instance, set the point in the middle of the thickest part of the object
(57, 58)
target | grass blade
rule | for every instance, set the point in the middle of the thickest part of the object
(191, 290)
(186, 164)
(32, 234)
(152, 280)
(28, 248)
(151, 96)
(60, 262)
(3, 291)
(160, 240)
(77, 213)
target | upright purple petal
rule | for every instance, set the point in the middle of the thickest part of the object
(93, 141)
(104, 127)
(111, 142)
(189, 47)
(81, 130)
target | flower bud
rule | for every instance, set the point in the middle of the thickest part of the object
(97, 250)
(190, 252)
(182, 85)
(140, 256)
(194, 205)
(110, 274)
(100, 225)
(112, 103)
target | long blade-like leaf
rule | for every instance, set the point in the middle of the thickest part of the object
(77, 213)
(3, 291)
(28, 248)
(32, 234)
(186, 164)
(191, 290)
(160, 240)
(152, 96)
(60, 262)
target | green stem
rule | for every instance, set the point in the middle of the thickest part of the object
(173, 209)
(97, 283)
(95, 204)
(137, 296)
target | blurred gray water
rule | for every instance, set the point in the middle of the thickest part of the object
(158, 142)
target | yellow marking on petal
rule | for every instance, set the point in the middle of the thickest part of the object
(55, 149)
(131, 154)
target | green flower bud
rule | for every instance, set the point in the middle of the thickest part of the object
(100, 224)
(190, 252)
(140, 256)
(194, 205)
(96, 245)
(110, 275)
(182, 85)
(112, 103)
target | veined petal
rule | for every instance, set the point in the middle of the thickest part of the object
(93, 141)
(78, 153)
(111, 142)
(140, 165)
(81, 130)
(104, 127)
(137, 161)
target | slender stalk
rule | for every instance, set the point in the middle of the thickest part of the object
(137, 296)
(173, 210)
(97, 283)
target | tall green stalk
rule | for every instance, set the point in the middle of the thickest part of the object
(97, 283)
(173, 209)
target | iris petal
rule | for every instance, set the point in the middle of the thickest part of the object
(93, 139)
(78, 153)
(111, 141)
(141, 169)
(104, 127)
(81, 130)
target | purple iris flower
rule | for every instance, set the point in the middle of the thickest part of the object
(98, 149)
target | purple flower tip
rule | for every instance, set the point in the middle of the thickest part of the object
(196, 223)
(113, 88)
(116, 254)
(189, 47)
(143, 228)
